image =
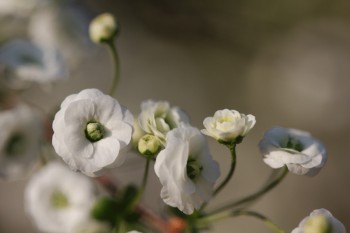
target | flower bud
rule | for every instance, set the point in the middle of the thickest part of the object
(94, 131)
(103, 28)
(149, 145)
(317, 224)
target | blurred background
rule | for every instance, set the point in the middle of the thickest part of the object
(286, 62)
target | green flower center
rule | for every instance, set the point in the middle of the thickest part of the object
(59, 200)
(16, 145)
(193, 168)
(94, 131)
(294, 144)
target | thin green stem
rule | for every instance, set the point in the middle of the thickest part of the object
(232, 169)
(116, 66)
(232, 148)
(145, 176)
(229, 213)
(256, 195)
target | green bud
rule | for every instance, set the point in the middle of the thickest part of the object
(149, 145)
(317, 224)
(193, 168)
(94, 131)
(103, 28)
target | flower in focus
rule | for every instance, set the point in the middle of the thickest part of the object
(320, 221)
(92, 132)
(57, 199)
(26, 62)
(298, 150)
(228, 125)
(157, 118)
(20, 137)
(186, 169)
(103, 28)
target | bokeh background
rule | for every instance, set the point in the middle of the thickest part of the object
(286, 62)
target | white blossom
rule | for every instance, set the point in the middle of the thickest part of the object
(186, 169)
(20, 137)
(57, 199)
(63, 25)
(298, 150)
(92, 132)
(320, 221)
(227, 125)
(26, 62)
(157, 118)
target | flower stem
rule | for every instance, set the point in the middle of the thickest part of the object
(232, 169)
(116, 66)
(256, 195)
(145, 176)
(229, 213)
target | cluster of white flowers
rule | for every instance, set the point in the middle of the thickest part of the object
(93, 133)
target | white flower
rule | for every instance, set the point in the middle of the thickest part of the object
(20, 137)
(228, 125)
(27, 62)
(92, 131)
(57, 199)
(63, 25)
(157, 118)
(186, 169)
(298, 150)
(320, 221)
(103, 28)
(134, 232)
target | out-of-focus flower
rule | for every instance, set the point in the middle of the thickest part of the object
(63, 25)
(134, 232)
(92, 226)
(57, 199)
(20, 137)
(186, 169)
(157, 118)
(320, 221)
(25, 62)
(92, 132)
(103, 28)
(298, 150)
(18, 7)
(228, 125)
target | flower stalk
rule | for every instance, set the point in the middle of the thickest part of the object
(230, 213)
(116, 66)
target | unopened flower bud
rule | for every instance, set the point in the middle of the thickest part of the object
(103, 28)
(149, 145)
(317, 224)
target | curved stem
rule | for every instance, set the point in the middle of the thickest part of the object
(116, 66)
(256, 195)
(230, 213)
(232, 169)
(232, 148)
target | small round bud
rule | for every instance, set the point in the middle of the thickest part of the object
(317, 224)
(94, 131)
(193, 168)
(149, 145)
(103, 28)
